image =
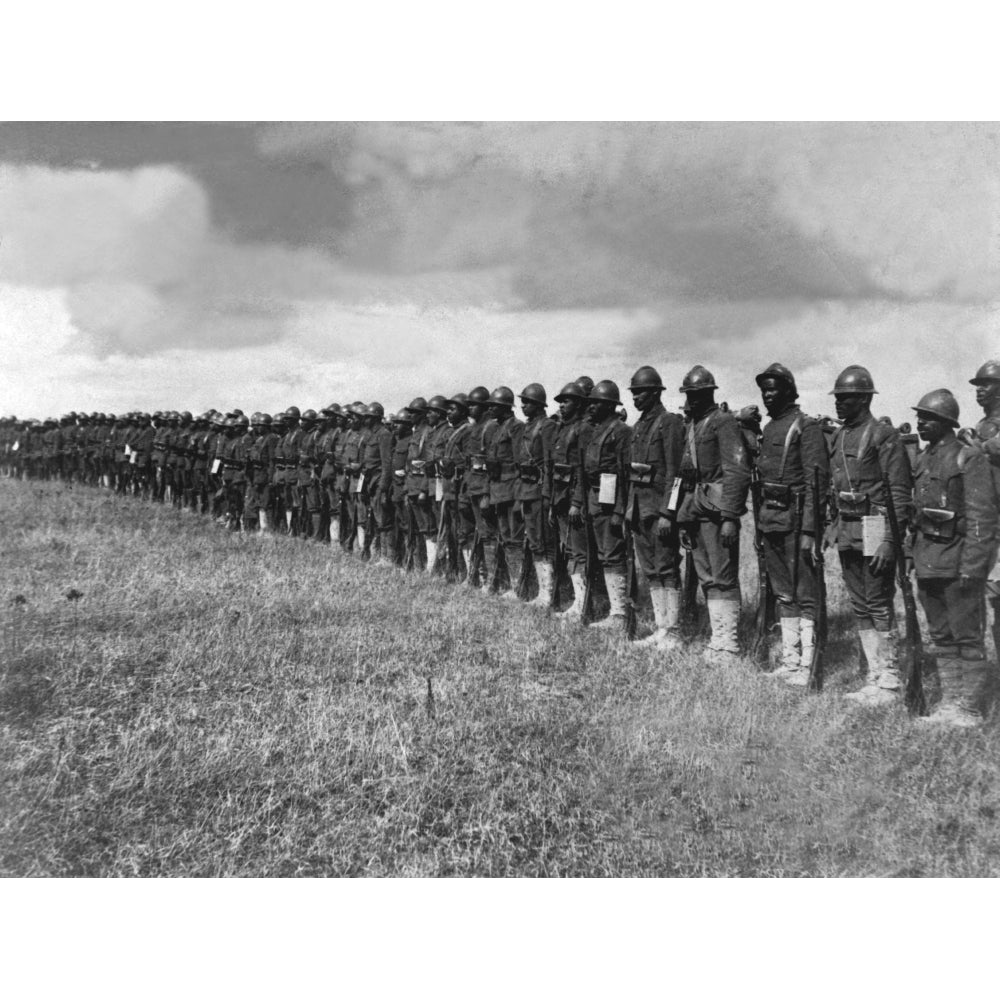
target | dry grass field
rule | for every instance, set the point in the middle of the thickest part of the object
(180, 701)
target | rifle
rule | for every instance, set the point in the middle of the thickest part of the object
(592, 565)
(911, 648)
(410, 556)
(765, 617)
(815, 683)
(500, 573)
(558, 565)
(689, 592)
(454, 549)
(632, 583)
(474, 570)
(527, 570)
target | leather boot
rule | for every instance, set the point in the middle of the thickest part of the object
(432, 551)
(666, 614)
(949, 671)
(807, 635)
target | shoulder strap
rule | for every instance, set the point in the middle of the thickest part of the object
(793, 432)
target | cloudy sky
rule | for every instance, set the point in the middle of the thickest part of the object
(187, 266)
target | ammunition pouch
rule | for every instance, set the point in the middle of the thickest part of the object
(938, 525)
(689, 480)
(853, 505)
(641, 474)
(776, 496)
(562, 473)
(529, 474)
(477, 463)
(418, 467)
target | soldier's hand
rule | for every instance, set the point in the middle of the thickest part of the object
(575, 516)
(730, 534)
(663, 527)
(421, 496)
(808, 548)
(882, 560)
(687, 542)
(484, 504)
(829, 536)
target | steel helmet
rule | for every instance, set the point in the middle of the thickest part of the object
(988, 372)
(279, 420)
(853, 379)
(502, 396)
(255, 419)
(940, 403)
(292, 413)
(585, 382)
(309, 417)
(697, 379)
(419, 405)
(534, 393)
(332, 410)
(403, 417)
(460, 399)
(438, 403)
(376, 410)
(781, 373)
(479, 395)
(646, 377)
(605, 391)
(240, 420)
(571, 390)
(265, 419)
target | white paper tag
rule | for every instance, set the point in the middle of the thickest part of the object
(131, 461)
(17, 445)
(438, 488)
(606, 492)
(872, 533)
(128, 450)
(675, 494)
(360, 484)
(216, 465)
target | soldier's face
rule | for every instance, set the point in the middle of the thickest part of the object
(455, 414)
(500, 412)
(644, 399)
(850, 405)
(775, 394)
(529, 409)
(433, 417)
(987, 396)
(569, 408)
(599, 410)
(930, 428)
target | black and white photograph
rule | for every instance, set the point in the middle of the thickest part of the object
(495, 499)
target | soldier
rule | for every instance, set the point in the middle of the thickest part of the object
(533, 491)
(142, 456)
(987, 383)
(715, 472)
(287, 456)
(952, 542)
(570, 438)
(437, 414)
(864, 450)
(376, 470)
(452, 517)
(502, 467)
(326, 447)
(476, 490)
(307, 492)
(601, 489)
(654, 466)
(792, 447)
(403, 425)
(260, 457)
